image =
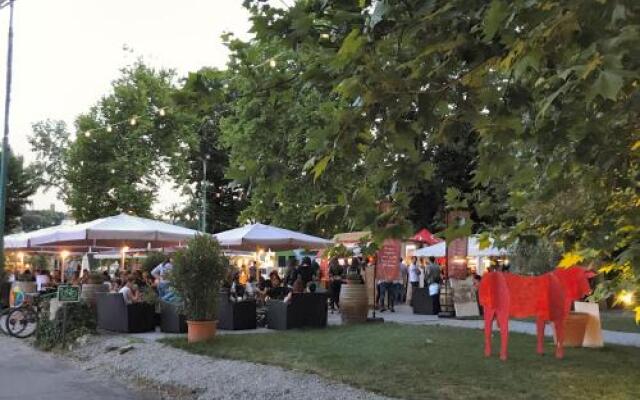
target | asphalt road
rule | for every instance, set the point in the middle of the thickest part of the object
(26, 373)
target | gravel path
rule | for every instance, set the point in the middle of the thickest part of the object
(185, 375)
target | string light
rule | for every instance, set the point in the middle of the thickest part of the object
(161, 112)
(324, 36)
(272, 63)
(626, 297)
(133, 121)
(87, 134)
(109, 128)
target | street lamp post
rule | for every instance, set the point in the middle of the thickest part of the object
(5, 139)
(203, 220)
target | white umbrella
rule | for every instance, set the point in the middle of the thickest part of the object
(16, 241)
(250, 237)
(116, 231)
(473, 249)
(436, 250)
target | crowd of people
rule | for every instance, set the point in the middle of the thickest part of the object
(248, 284)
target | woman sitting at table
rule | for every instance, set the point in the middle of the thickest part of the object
(236, 291)
(298, 288)
(277, 291)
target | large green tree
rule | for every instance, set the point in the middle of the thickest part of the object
(22, 183)
(124, 148)
(549, 88)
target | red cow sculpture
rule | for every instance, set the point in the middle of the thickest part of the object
(547, 297)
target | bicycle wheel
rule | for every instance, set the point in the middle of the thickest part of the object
(21, 322)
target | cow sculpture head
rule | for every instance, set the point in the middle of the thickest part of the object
(575, 281)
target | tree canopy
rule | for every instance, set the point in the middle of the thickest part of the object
(22, 183)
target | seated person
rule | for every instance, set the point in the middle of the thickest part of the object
(298, 287)
(236, 291)
(128, 292)
(277, 291)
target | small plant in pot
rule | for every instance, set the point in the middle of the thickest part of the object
(197, 275)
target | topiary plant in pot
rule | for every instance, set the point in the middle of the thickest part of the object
(197, 275)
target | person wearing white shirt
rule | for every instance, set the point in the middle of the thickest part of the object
(161, 274)
(127, 292)
(414, 272)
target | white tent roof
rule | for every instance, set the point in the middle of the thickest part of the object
(250, 237)
(473, 249)
(16, 241)
(436, 250)
(120, 229)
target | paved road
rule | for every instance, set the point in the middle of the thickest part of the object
(28, 374)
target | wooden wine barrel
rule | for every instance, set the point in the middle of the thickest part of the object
(446, 300)
(19, 290)
(354, 306)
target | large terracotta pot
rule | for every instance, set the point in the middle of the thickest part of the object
(575, 326)
(200, 331)
(354, 306)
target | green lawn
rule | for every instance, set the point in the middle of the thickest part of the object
(420, 362)
(622, 321)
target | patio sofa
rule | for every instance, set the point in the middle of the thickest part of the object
(171, 320)
(421, 301)
(114, 315)
(236, 315)
(304, 310)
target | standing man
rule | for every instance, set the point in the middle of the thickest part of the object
(433, 281)
(414, 275)
(161, 274)
(401, 293)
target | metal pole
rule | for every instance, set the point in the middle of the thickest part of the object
(5, 139)
(203, 222)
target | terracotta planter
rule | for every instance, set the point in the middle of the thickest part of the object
(354, 306)
(200, 331)
(574, 329)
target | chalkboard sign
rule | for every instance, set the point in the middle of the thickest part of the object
(68, 294)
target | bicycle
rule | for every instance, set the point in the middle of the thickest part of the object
(21, 322)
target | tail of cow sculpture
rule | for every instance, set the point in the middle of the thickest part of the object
(547, 297)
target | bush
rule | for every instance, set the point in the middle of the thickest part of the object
(81, 320)
(152, 260)
(534, 256)
(197, 275)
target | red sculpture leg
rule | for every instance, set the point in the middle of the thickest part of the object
(503, 323)
(488, 325)
(559, 327)
(540, 331)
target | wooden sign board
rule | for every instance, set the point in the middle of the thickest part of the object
(388, 266)
(593, 333)
(457, 249)
(68, 294)
(464, 297)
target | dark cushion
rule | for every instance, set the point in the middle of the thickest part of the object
(115, 315)
(171, 319)
(304, 310)
(236, 315)
(421, 301)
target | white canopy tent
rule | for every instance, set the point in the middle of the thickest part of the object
(251, 237)
(474, 250)
(117, 231)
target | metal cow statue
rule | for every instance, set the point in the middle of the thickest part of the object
(547, 297)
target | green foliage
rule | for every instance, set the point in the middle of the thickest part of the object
(338, 250)
(104, 172)
(81, 320)
(22, 183)
(534, 256)
(197, 275)
(152, 260)
(549, 90)
(32, 220)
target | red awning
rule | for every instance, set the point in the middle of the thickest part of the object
(424, 236)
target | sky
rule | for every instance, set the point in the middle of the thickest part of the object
(67, 52)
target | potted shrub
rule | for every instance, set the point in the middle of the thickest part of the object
(197, 275)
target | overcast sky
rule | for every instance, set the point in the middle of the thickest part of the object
(66, 53)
